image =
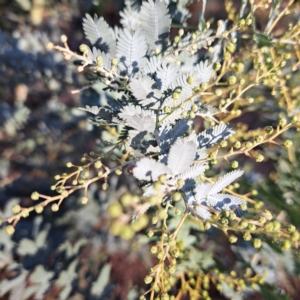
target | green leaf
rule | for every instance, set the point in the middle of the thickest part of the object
(269, 292)
(263, 40)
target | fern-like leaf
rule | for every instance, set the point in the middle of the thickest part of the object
(135, 138)
(155, 23)
(214, 135)
(225, 181)
(91, 109)
(106, 59)
(206, 110)
(193, 171)
(203, 72)
(201, 154)
(168, 135)
(149, 169)
(201, 191)
(152, 65)
(131, 51)
(137, 118)
(202, 212)
(99, 34)
(143, 88)
(181, 155)
(72, 250)
(165, 75)
(180, 129)
(176, 114)
(224, 201)
(182, 84)
(129, 18)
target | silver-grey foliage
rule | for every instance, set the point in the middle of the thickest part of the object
(131, 51)
(157, 92)
(155, 23)
(99, 34)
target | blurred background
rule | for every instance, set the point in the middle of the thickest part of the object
(70, 254)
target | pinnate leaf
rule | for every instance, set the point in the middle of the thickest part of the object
(224, 201)
(99, 34)
(155, 23)
(131, 51)
(149, 169)
(214, 135)
(143, 88)
(224, 181)
(181, 155)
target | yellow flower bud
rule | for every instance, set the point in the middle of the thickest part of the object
(237, 145)
(194, 108)
(180, 32)
(286, 245)
(259, 158)
(175, 96)
(54, 207)
(10, 230)
(35, 196)
(232, 239)
(176, 39)
(217, 66)
(180, 182)
(16, 209)
(39, 209)
(176, 196)
(288, 144)
(282, 122)
(50, 46)
(234, 164)
(63, 38)
(257, 243)
(269, 129)
(232, 80)
(25, 213)
(230, 47)
(294, 119)
(83, 48)
(115, 210)
(148, 279)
